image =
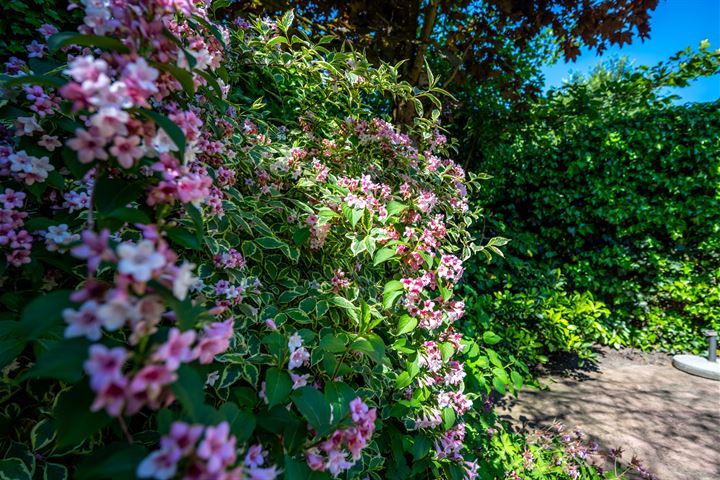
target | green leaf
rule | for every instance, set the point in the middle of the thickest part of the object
(517, 379)
(42, 80)
(357, 246)
(342, 302)
(10, 348)
(184, 238)
(297, 315)
(448, 416)
(332, 343)
(393, 289)
(340, 395)
(61, 39)
(403, 380)
(55, 471)
(242, 422)
(278, 386)
(173, 131)
(189, 390)
(406, 324)
(313, 406)
(421, 447)
(42, 433)
(43, 313)
(371, 345)
(270, 243)
(392, 286)
(276, 40)
(497, 242)
(14, 469)
(356, 215)
(383, 255)
(75, 422)
(129, 215)
(197, 219)
(490, 338)
(63, 361)
(499, 386)
(118, 461)
(181, 75)
(394, 207)
(301, 235)
(296, 469)
(211, 81)
(286, 21)
(115, 193)
(288, 296)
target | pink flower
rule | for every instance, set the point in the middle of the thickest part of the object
(104, 365)
(127, 150)
(160, 464)
(47, 30)
(217, 447)
(256, 473)
(140, 79)
(215, 340)
(12, 199)
(110, 121)
(86, 68)
(358, 409)
(176, 349)
(50, 142)
(94, 248)
(337, 462)
(83, 322)
(299, 380)
(140, 261)
(182, 280)
(182, 437)
(89, 145)
(111, 397)
(151, 379)
(298, 358)
(295, 342)
(26, 126)
(117, 310)
(36, 49)
(255, 456)
(314, 461)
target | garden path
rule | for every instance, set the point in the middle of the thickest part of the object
(638, 401)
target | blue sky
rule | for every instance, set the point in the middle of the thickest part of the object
(675, 24)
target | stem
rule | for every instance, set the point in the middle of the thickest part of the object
(91, 201)
(125, 430)
(430, 14)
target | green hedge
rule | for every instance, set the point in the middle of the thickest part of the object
(627, 206)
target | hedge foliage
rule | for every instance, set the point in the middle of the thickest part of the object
(611, 195)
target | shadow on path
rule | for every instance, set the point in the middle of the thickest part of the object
(669, 419)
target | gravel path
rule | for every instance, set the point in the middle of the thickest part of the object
(669, 419)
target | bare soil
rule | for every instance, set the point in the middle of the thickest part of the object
(638, 401)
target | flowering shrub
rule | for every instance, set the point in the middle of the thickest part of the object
(220, 261)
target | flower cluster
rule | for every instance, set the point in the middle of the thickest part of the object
(205, 452)
(332, 454)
